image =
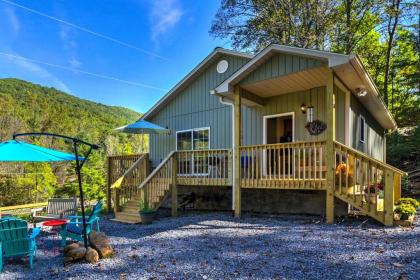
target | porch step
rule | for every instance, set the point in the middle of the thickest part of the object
(128, 217)
(130, 209)
(123, 221)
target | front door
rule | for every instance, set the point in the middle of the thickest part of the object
(278, 129)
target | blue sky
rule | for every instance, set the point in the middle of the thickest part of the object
(173, 34)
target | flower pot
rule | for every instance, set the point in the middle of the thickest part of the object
(405, 217)
(371, 198)
(147, 217)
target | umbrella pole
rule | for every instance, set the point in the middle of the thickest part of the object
(82, 202)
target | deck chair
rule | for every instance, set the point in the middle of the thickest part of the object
(75, 226)
(57, 208)
(15, 241)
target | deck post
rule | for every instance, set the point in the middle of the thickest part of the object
(174, 188)
(330, 155)
(236, 151)
(108, 186)
(389, 198)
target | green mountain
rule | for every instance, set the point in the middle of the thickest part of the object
(27, 107)
(30, 107)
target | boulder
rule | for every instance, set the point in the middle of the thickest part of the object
(76, 253)
(92, 255)
(100, 242)
(70, 247)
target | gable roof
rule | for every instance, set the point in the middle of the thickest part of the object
(212, 57)
(348, 68)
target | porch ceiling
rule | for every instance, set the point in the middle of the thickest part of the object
(293, 82)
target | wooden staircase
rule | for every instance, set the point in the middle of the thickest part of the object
(153, 189)
(367, 184)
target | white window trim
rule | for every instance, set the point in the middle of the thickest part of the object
(192, 148)
(364, 128)
(265, 118)
(192, 137)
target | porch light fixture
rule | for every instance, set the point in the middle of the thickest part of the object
(361, 92)
(303, 108)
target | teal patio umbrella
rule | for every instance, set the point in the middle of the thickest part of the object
(14, 150)
(20, 151)
(143, 127)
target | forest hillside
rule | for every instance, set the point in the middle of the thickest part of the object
(27, 107)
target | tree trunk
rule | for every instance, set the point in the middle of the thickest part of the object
(392, 25)
(348, 5)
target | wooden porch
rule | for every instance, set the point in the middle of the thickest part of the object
(361, 181)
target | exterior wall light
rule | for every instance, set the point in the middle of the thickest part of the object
(361, 92)
(303, 108)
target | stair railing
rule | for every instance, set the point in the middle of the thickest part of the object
(366, 183)
(157, 185)
(126, 186)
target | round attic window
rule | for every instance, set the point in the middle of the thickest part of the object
(222, 66)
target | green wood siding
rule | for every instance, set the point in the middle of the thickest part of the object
(253, 118)
(280, 65)
(374, 143)
(340, 113)
(195, 107)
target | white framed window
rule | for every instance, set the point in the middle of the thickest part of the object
(362, 129)
(193, 140)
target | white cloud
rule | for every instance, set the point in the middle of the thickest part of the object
(66, 34)
(9, 23)
(13, 20)
(74, 62)
(38, 71)
(165, 14)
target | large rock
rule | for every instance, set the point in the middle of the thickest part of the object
(76, 253)
(100, 242)
(92, 255)
(70, 247)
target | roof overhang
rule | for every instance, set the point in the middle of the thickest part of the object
(348, 68)
(212, 57)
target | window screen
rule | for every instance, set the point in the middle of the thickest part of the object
(183, 140)
(194, 139)
(201, 139)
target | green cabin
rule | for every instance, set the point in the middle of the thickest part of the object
(285, 130)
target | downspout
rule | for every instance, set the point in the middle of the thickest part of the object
(230, 103)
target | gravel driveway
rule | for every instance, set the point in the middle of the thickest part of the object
(217, 246)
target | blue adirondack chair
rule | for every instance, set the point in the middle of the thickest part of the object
(75, 225)
(15, 241)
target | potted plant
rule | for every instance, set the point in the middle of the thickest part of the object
(409, 200)
(372, 191)
(406, 211)
(147, 214)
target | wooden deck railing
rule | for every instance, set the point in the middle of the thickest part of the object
(204, 167)
(125, 187)
(287, 165)
(367, 183)
(154, 188)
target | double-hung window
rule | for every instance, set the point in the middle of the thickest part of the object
(193, 140)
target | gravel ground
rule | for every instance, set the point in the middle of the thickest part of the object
(217, 246)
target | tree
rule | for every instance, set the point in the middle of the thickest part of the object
(385, 33)
(254, 24)
(355, 19)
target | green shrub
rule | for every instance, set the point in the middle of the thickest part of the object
(410, 201)
(145, 208)
(405, 210)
